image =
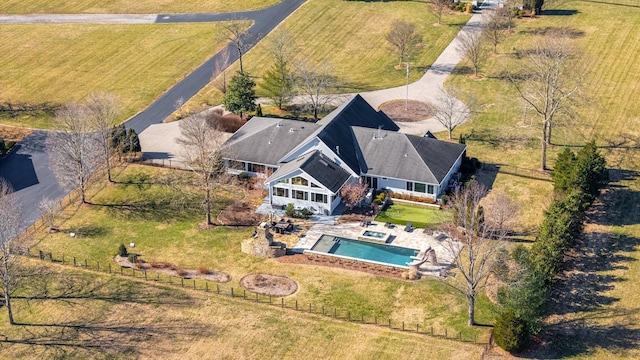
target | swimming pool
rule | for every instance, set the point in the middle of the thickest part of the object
(365, 251)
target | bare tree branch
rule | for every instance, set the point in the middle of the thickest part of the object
(473, 243)
(404, 39)
(103, 110)
(203, 153)
(449, 111)
(472, 46)
(315, 82)
(75, 151)
(10, 221)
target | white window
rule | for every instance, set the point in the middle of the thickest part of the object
(300, 181)
(300, 195)
(281, 192)
(430, 189)
(319, 198)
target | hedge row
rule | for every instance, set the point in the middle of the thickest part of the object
(577, 180)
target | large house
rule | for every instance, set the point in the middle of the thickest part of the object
(307, 164)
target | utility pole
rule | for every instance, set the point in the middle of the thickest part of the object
(406, 102)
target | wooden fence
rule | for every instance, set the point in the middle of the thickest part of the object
(239, 293)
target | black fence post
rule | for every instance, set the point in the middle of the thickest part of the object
(460, 335)
(348, 315)
(109, 268)
(145, 275)
(282, 301)
(403, 326)
(74, 261)
(169, 279)
(335, 313)
(158, 277)
(62, 259)
(98, 265)
(269, 299)
(322, 310)
(206, 286)
(244, 294)
(362, 318)
(194, 284)
(445, 333)
(375, 319)
(218, 289)
(182, 281)
(389, 323)
(296, 304)
(133, 272)
(418, 331)
(257, 297)
(231, 292)
(309, 307)
(86, 263)
(432, 331)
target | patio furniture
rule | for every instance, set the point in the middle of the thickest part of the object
(409, 227)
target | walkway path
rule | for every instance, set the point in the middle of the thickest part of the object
(430, 85)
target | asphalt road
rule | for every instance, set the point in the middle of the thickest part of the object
(28, 170)
(265, 21)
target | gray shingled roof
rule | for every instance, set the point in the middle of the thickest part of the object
(319, 167)
(336, 129)
(266, 140)
(401, 156)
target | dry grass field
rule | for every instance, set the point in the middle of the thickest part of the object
(128, 6)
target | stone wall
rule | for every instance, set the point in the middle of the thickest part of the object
(354, 264)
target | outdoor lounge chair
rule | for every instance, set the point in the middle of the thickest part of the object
(409, 227)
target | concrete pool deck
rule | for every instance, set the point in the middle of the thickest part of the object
(416, 239)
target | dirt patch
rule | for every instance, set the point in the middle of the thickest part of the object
(172, 270)
(269, 284)
(13, 133)
(415, 110)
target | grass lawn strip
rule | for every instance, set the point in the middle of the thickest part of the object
(419, 216)
(166, 234)
(62, 63)
(129, 6)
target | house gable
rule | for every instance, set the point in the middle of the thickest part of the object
(318, 167)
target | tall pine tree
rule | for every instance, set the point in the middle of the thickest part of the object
(241, 94)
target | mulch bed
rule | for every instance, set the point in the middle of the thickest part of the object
(416, 110)
(303, 259)
(266, 284)
(215, 276)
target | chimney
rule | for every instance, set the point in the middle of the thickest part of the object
(338, 149)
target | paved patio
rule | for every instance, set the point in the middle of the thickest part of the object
(417, 239)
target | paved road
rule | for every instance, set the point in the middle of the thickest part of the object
(27, 169)
(265, 20)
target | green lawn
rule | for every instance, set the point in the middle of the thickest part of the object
(128, 6)
(164, 233)
(419, 216)
(350, 36)
(62, 63)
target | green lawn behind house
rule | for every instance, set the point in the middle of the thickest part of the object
(419, 216)
(163, 224)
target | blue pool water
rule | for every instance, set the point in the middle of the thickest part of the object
(381, 253)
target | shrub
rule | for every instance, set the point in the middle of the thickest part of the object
(132, 258)
(182, 272)
(203, 270)
(122, 250)
(469, 8)
(510, 332)
(444, 199)
(379, 198)
(290, 210)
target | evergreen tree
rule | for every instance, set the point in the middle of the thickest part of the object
(590, 170)
(134, 141)
(241, 94)
(277, 83)
(563, 171)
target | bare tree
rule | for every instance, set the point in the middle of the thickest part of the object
(103, 110)
(494, 31)
(238, 36)
(507, 12)
(221, 68)
(49, 210)
(403, 38)
(551, 79)
(473, 244)
(202, 153)
(503, 210)
(315, 82)
(450, 112)
(277, 81)
(353, 193)
(438, 7)
(472, 46)
(10, 221)
(75, 151)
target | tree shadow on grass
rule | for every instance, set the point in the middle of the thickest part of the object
(580, 306)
